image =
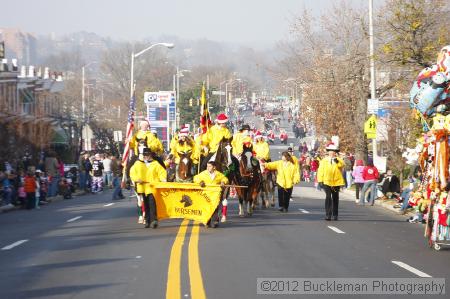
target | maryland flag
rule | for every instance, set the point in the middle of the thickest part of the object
(186, 201)
(205, 118)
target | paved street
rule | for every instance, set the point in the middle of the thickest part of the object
(91, 247)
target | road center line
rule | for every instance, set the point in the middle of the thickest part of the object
(195, 274)
(303, 211)
(108, 205)
(74, 219)
(173, 290)
(11, 246)
(411, 269)
(333, 228)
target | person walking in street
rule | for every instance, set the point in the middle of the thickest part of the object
(329, 177)
(370, 176)
(155, 174)
(358, 177)
(116, 168)
(138, 173)
(348, 168)
(287, 176)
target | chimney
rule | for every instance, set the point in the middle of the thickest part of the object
(15, 68)
(23, 72)
(4, 65)
(46, 73)
(30, 71)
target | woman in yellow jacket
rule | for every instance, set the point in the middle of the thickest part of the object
(329, 177)
(138, 175)
(155, 174)
(287, 176)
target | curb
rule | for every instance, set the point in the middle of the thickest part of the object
(387, 204)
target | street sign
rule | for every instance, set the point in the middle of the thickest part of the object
(218, 93)
(372, 106)
(370, 127)
(151, 97)
(117, 136)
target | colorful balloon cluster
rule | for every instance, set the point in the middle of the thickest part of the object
(430, 93)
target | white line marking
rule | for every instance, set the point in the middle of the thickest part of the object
(108, 205)
(411, 269)
(73, 219)
(303, 211)
(138, 256)
(336, 229)
(14, 245)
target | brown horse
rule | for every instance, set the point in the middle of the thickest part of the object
(184, 168)
(267, 188)
(250, 176)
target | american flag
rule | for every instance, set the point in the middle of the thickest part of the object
(130, 127)
(205, 118)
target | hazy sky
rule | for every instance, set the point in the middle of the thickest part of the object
(262, 21)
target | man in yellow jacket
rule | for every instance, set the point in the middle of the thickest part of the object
(155, 174)
(145, 138)
(238, 140)
(214, 136)
(211, 176)
(287, 177)
(329, 177)
(138, 175)
(261, 148)
(185, 144)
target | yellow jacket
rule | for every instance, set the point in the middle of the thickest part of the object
(184, 148)
(204, 176)
(238, 143)
(155, 173)
(287, 173)
(173, 141)
(139, 172)
(214, 136)
(153, 143)
(262, 150)
(330, 173)
(297, 165)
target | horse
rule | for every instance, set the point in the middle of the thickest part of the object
(267, 188)
(250, 175)
(184, 168)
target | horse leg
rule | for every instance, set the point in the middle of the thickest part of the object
(224, 206)
(241, 206)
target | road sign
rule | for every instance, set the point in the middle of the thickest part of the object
(372, 106)
(218, 93)
(117, 136)
(370, 127)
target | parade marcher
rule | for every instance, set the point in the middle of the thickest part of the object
(238, 140)
(261, 148)
(214, 136)
(283, 136)
(145, 138)
(138, 175)
(211, 176)
(287, 177)
(97, 174)
(155, 174)
(329, 177)
(185, 144)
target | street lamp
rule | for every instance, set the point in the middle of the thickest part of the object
(177, 94)
(133, 56)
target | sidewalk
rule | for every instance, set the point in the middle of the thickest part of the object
(8, 208)
(346, 195)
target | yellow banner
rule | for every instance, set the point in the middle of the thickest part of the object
(186, 201)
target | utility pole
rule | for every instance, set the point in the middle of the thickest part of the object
(372, 69)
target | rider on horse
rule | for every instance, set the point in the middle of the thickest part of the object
(215, 134)
(143, 138)
(184, 145)
(261, 148)
(238, 140)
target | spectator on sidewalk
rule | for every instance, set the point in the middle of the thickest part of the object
(370, 176)
(38, 189)
(30, 189)
(348, 168)
(107, 172)
(329, 176)
(51, 167)
(97, 174)
(358, 177)
(390, 186)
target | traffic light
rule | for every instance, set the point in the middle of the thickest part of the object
(190, 102)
